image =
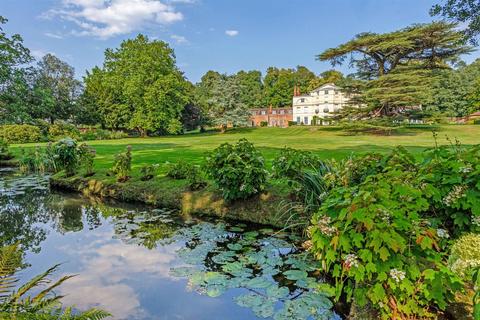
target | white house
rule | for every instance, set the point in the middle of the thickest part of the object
(319, 103)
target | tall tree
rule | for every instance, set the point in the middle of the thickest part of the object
(56, 89)
(399, 64)
(463, 11)
(251, 88)
(140, 87)
(14, 87)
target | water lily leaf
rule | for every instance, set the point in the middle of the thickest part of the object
(295, 275)
(182, 272)
(234, 246)
(258, 283)
(277, 292)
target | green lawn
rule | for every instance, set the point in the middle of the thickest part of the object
(327, 142)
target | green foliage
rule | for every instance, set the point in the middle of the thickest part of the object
(263, 123)
(291, 163)
(397, 66)
(20, 133)
(238, 170)
(462, 11)
(383, 229)
(21, 303)
(148, 171)
(67, 155)
(86, 156)
(55, 89)
(139, 87)
(465, 255)
(476, 297)
(4, 152)
(37, 160)
(62, 130)
(122, 165)
(195, 178)
(179, 170)
(100, 134)
(280, 285)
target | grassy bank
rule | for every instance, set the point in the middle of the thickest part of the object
(166, 192)
(326, 142)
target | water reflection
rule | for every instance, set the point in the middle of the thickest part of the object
(124, 256)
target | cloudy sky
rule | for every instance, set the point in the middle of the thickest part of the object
(222, 35)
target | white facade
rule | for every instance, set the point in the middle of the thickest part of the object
(321, 102)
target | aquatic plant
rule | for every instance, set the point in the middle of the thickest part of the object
(87, 155)
(4, 152)
(280, 280)
(67, 155)
(148, 171)
(21, 304)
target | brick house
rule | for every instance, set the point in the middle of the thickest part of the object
(273, 117)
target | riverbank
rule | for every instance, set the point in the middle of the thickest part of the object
(163, 192)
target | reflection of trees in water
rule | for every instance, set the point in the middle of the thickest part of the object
(20, 219)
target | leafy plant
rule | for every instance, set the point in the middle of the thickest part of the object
(62, 131)
(195, 179)
(292, 163)
(179, 170)
(148, 171)
(87, 156)
(238, 170)
(123, 165)
(67, 155)
(465, 255)
(37, 160)
(20, 133)
(20, 304)
(383, 229)
(4, 152)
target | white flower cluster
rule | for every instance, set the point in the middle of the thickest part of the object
(397, 275)
(457, 193)
(461, 265)
(325, 227)
(385, 215)
(467, 169)
(351, 261)
(442, 233)
(476, 221)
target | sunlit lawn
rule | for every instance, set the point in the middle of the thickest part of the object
(326, 142)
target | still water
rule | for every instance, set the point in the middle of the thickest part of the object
(142, 263)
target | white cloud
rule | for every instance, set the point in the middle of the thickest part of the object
(179, 39)
(39, 53)
(231, 33)
(108, 18)
(53, 35)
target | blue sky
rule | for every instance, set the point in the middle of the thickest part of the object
(222, 35)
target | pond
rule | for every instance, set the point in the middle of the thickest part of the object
(142, 263)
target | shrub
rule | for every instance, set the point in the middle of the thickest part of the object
(148, 171)
(123, 165)
(101, 134)
(4, 152)
(20, 133)
(37, 160)
(292, 123)
(263, 123)
(63, 130)
(476, 121)
(465, 255)
(67, 155)
(179, 170)
(238, 170)
(383, 229)
(87, 156)
(291, 163)
(195, 179)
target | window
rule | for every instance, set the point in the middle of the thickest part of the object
(298, 120)
(305, 120)
(282, 111)
(298, 108)
(274, 112)
(264, 112)
(336, 91)
(326, 110)
(326, 91)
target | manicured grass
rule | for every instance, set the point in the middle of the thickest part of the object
(327, 142)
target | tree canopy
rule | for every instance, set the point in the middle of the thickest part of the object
(398, 66)
(139, 87)
(463, 11)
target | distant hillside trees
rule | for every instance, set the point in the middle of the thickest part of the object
(139, 87)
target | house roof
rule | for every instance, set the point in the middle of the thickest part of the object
(475, 114)
(327, 85)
